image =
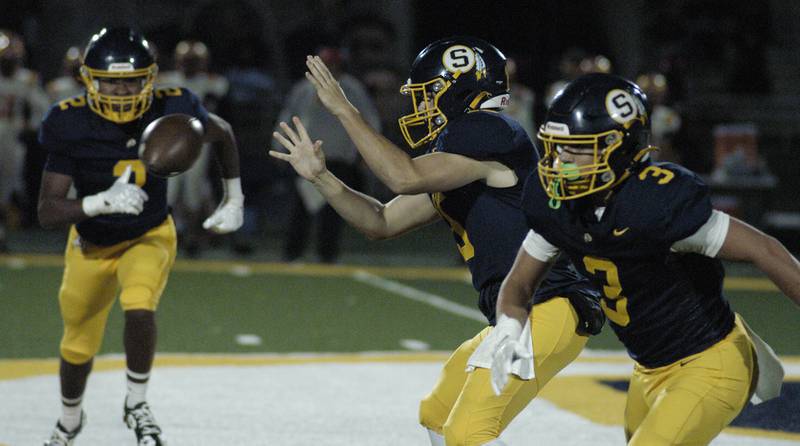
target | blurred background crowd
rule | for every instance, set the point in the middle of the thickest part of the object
(723, 77)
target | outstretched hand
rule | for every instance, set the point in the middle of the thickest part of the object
(328, 88)
(307, 158)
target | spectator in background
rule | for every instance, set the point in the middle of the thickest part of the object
(520, 107)
(568, 69)
(574, 63)
(665, 122)
(250, 107)
(369, 44)
(22, 105)
(69, 83)
(342, 158)
(369, 40)
(190, 193)
(382, 83)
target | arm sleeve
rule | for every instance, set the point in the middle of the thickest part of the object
(709, 238)
(537, 247)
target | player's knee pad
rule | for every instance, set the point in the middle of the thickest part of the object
(432, 413)
(139, 297)
(80, 349)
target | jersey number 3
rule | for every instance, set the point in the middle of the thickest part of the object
(614, 305)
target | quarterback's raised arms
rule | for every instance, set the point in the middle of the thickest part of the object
(374, 219)
(403, 174)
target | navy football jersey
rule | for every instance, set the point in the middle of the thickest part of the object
(663, 305)
(487, 223)
(95, 151)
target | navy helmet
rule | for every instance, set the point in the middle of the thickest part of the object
(119, 53)
(448, 78)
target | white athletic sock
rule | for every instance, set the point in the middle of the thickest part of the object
(70, 413)
(137, 388)
(436, 439)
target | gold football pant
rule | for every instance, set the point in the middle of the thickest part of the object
(94, 274)
(463, 407)
(690, 401)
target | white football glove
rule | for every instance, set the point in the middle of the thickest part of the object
(229, 215)
(121, 198)
(507, 350)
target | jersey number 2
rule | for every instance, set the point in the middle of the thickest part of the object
(137, 168)
(614, 305)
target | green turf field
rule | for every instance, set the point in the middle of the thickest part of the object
(207, 305)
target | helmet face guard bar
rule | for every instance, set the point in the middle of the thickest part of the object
(119, 109)
(567, 181)
(427, 120)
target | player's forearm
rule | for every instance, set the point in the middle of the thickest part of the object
(228, 156)
(519, 285)
(57, 212)
(360, 211)
(513, 299)
(220, 133)
(781, 267)
(388, 162)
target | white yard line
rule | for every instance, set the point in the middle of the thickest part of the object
(418, 295)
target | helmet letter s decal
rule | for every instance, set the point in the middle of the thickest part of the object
(623, 107)
(458, 58)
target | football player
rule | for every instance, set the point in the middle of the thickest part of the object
(645, 232)
(189, 193)
(470, 178)
(122, 237)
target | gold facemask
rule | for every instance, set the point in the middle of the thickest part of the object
(119, 109)
(427, 120)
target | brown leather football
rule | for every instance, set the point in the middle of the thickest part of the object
(171, 144)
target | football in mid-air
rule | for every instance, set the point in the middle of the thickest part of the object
(171, 144)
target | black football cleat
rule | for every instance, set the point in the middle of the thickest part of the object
(141, 420)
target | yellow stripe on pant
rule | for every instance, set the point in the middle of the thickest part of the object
(94, 274)
(463, 407)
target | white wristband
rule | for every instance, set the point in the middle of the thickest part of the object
(232, 187)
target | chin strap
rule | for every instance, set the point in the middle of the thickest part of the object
(554, 203)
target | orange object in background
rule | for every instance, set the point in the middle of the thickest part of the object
(736, 149)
